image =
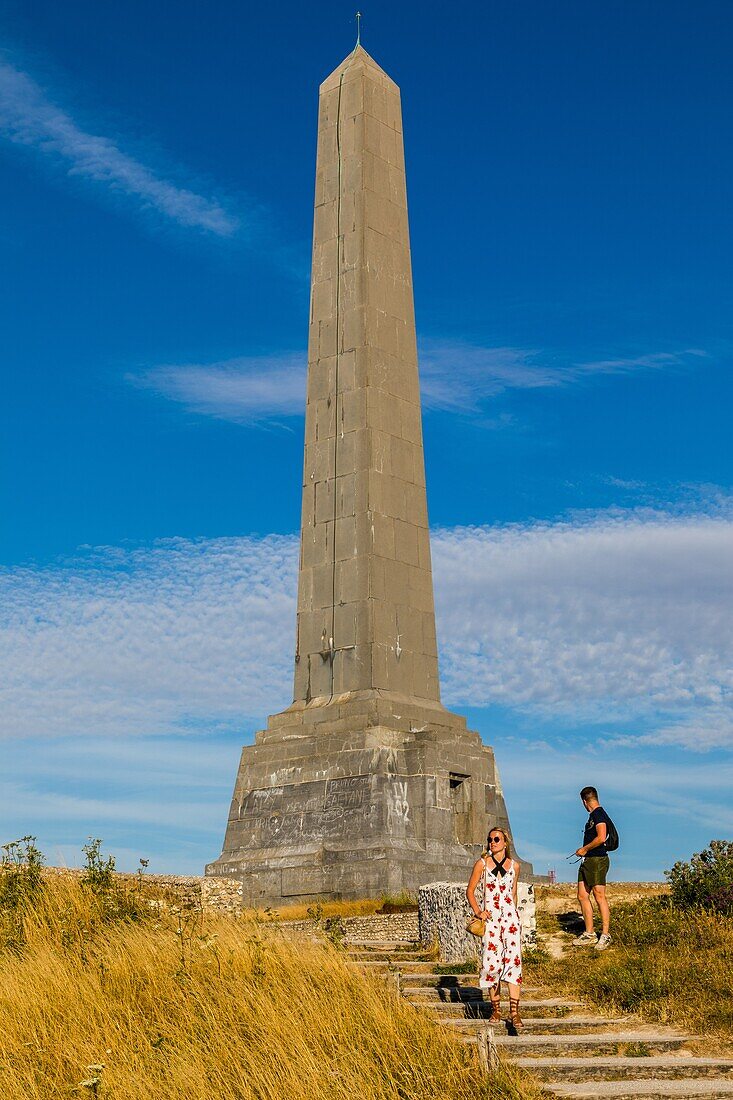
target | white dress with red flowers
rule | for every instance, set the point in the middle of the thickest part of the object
(501, 956)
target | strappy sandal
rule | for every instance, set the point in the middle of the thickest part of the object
(495, 1017)
(514, 1018)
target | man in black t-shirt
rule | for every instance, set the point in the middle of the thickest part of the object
(593, 871)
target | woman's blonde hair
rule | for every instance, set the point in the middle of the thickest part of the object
(507, 840)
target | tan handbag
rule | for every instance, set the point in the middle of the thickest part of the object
(476, 926)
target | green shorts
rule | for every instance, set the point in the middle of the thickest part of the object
(593, 871)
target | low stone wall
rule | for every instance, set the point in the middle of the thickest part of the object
(224, 895)
(444, 913)
(389, 926)
(221, 895)
(381, 928)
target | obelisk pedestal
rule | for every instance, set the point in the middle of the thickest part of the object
(366, 784)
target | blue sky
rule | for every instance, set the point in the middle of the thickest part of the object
(571, 230)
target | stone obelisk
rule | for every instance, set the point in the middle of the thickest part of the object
(366, 784)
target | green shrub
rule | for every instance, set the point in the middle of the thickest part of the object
(20, 886)
(706, 882)
(99, 873)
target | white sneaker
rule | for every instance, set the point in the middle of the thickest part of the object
(603, 941)
(585, 940)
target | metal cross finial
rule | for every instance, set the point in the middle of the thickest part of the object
(358, 28)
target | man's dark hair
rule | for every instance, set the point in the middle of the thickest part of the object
(589, 792)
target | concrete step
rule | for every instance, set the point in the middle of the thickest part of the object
(661, 1068)
(716, 1088)
(572, 1023)
(403, 957)
(610, 1042)
(568, 1025)
(412, 978)
(384, 945)
(531, 1010)
(416, 966)
(562, 1027)
(456, 995)
(480, 1010)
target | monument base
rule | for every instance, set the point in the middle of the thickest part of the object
(356, 796)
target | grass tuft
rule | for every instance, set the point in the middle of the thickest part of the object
(470, 966)
(638, 1050)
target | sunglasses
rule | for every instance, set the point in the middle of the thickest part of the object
(496, 840)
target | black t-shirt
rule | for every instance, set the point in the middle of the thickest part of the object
(597, 817)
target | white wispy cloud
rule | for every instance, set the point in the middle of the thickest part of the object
(454, 377)
(151, 640)
(706, 728)
(244, 390)
(625, 615)
(696, 792)
(620, 614)
(164, 798)
(29, 117)
(460, 376)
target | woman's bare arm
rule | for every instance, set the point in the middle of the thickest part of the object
(478, 868)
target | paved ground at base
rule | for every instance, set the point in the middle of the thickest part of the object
(570, 1048)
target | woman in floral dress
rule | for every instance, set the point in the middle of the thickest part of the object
(501, 955)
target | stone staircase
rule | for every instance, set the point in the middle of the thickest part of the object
(570, 1048)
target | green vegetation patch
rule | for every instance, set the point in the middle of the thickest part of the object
(706, 881)
(638, 1050)
(659, 954)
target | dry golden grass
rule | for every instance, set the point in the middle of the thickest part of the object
(552, 898)
(363, 907)
(162, 1005)
(562, 898)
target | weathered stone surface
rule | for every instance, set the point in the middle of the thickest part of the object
(378, 928)
(366, 784)
(359, 811)
(365, 583)
(221, 895)
(444, 912)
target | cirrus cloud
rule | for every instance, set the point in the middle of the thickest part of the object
(28, 117)
(624, 615)
(455, 377)
(245, 390)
